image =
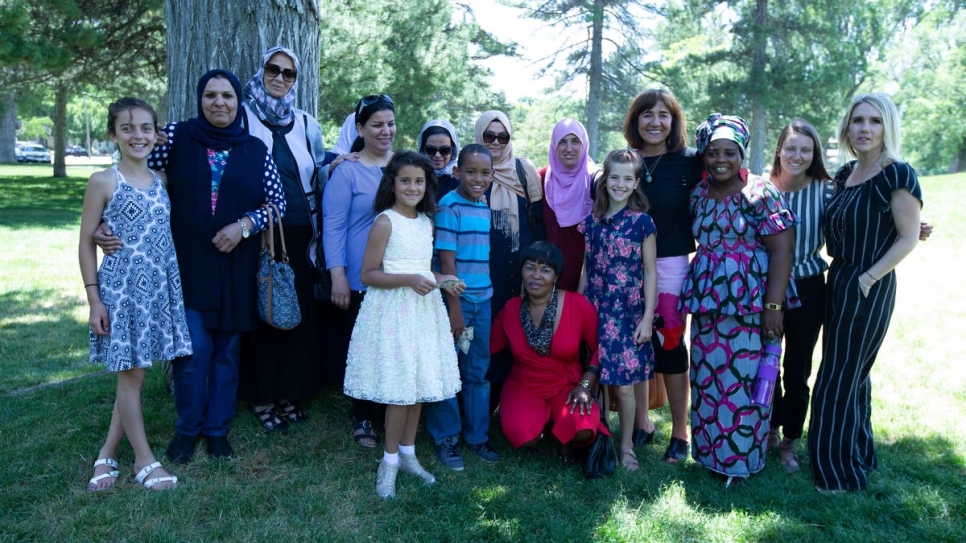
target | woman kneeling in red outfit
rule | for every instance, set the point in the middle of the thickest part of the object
(543, 329)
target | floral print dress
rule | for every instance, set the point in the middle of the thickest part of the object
(725, 293)
(615, 276)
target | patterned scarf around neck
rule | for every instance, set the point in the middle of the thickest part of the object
(540, 337)
(274, 111)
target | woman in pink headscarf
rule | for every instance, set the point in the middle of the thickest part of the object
(567, 184)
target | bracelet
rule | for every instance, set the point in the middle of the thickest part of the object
(585, 383)
(91, 285)
(593, 369)
(874, 280)
(773, 307)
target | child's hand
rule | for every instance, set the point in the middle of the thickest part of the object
(644, 329)
(421, 284)
(456, 323)
(100, 323)
(458, 288)
(106, 240)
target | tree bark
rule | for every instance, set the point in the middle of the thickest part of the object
(960, 161)
(233, 36)
(594, 78)
(758, 86)
(60, 129)
(8, 127)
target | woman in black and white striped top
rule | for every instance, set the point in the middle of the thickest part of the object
(798, 171)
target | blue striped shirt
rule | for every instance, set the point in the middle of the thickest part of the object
(808, 204)
(463, 227)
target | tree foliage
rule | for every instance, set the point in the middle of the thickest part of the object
(797, 58)
(930, 67)
(611, 21)
(422, 56)
(70, 43)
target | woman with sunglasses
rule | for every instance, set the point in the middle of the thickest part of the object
(438, 141)
(280, 368)
(515, 198)
(348, 214)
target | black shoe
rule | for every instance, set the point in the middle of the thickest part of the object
(218, 447)
(486, 452)
(181, 448)
(677, 451)
(642, 437)
(290, 411)
(270, 419)
(448, 453)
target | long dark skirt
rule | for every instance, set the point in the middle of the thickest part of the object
(285, 364)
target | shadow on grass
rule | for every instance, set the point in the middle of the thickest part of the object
(40, 339)
(41, 201)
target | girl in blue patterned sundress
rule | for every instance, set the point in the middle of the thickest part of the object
(620, 279)
(401, 353)
(136, 309)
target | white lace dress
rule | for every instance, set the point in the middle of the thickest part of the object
(402, 350)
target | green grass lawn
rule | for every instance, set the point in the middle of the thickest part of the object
(315, 484)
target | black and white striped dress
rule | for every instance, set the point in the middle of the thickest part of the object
(859, 230)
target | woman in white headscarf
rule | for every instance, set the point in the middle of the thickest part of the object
(438, 141)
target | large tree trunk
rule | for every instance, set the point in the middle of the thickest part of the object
(8, 127)
(60, 129)
(758, 87)
(595, 77)
(233, 35)
(960, 161)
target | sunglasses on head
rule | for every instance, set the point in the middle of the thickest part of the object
(372, 99)
(502, 137)
(272, 71)
(443, 151)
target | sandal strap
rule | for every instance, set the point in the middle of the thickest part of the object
(146, 471)
(149, 484)
(97, 478)
(106, 462)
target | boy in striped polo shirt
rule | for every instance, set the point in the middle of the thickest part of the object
(463, 242)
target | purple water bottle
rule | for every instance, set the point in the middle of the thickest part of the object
(768, 366)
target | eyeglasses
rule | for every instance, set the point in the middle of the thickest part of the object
(271, 71)
(502, 137)
(372, 99)
(443, 151)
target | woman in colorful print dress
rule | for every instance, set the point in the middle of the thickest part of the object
(735, 287)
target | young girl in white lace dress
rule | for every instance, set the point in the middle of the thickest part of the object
(401, 353)
(136, 307)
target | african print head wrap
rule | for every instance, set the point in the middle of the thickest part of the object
(718, 127)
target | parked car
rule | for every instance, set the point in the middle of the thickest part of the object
(32, 152)
(77, 150)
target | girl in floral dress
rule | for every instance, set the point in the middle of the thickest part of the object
(735, 289)
(620, 279)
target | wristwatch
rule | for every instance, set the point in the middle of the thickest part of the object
(585, 383)
(245, 231)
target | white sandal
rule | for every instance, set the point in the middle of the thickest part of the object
(149, 484)
(110, 462)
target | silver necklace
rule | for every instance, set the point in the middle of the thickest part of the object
(647, 171)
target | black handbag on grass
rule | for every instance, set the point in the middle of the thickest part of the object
(601, 459)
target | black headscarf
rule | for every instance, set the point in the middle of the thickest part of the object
(209, 135)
